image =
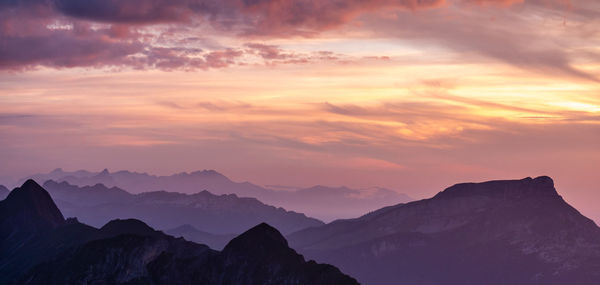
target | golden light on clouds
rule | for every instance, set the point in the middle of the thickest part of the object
(467, 90)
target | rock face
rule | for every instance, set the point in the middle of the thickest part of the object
(51, 250)
(497, 232)
(216, 214)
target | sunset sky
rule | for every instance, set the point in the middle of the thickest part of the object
(413, 95)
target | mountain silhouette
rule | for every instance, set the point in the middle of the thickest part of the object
(497, 232)
(323, 202)
(58, 251)
(261, 253)
(32, 229)
(216, 214)
(28, 208)
(127, 226)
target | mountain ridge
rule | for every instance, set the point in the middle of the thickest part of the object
(215, 214)
(516, 231)
(130, 252)
(323, 202)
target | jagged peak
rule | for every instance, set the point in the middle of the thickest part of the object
(104, 172)
(34, 202)
(526, 187)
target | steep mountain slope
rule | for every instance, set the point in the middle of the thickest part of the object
(3, 192)
(323, 202)
(224, 214)
(51, 250)
(28, 209)
(32, 230)
(497, 232)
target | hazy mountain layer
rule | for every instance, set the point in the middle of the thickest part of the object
(497, 232)
(224, 214)
(326, 203)
(40, 247)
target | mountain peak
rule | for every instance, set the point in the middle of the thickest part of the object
(207, 173)
(127, 226)
(57, 170)
(261, 236)
(104, 172)
(507, 189)
(29, 204)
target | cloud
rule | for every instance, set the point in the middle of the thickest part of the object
(495, 2)
(105, 33)
(128, 11)
(60, 49)
(519, 37)
(279, 17)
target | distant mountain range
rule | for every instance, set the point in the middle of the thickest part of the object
(219, 215)
(323, 202)
(39, 246)
(497, 232)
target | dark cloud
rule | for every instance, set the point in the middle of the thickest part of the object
(69, 33)
(61, 49)
(130, 11)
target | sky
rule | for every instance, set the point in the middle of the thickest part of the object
(412, 95)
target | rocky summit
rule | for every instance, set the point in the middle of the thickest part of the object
(496, 232)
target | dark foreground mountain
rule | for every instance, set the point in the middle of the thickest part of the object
(40, 247)
(327, 203)
(220, 215)
(497, 232)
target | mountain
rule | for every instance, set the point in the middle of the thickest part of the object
(32, 229)
(258, 256)
(29, 209)
(223, 214)
(52, 250)
(135, 182)
(496, 232)
(327, 203)
(3, 192)
(214, 241)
